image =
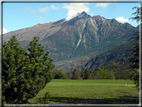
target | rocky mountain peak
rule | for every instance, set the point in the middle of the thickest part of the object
(82, 14)
(78, 16)
(81, 35)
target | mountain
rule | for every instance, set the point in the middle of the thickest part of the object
(118, 55)
(77, 37)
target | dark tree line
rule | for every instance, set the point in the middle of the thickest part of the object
(104, 72)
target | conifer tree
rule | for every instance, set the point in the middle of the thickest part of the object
(24, 73)
(13, 80)
(40, 68)
(86, 74)
(135, 51)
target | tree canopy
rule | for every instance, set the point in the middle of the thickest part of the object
(136, 50)
(24, 72)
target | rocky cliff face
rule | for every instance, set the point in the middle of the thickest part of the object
(81, 35)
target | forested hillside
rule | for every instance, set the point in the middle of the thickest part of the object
(117, 55)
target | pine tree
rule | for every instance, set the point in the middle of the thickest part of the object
(13, 80)
(24, 73)
(39, 72)
(135, 48)
(135, 51)
(86, 74)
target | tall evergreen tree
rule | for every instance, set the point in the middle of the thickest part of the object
(39, 72)
(135, 51)
(86, 74)
(24, 74)
(135, 48)
(13, 81)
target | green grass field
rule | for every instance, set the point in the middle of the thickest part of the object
(89, 92)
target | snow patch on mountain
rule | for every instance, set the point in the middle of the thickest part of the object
(78, 15)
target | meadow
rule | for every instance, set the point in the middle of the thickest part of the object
(65, 91)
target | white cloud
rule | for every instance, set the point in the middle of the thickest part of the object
(74, 8)
(102, 5)
(54, 7)
(43, 10)
(121, 19)
(41, 17)
(4, 31)
(28, 9)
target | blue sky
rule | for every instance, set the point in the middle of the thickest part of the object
(21, 15)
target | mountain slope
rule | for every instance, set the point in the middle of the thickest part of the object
(118, 55)
(81, 35)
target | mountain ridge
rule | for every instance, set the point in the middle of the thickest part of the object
(80, 36)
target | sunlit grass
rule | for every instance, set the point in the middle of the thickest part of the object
(59, 88)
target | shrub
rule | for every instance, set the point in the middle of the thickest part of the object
(75, 74)
(103, 73)
(60, 74)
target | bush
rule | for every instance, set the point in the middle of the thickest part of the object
(75, 74)
(103, 73)
(60, 74)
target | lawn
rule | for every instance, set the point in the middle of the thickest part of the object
(89, 92)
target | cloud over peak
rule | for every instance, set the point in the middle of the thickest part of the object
(74, 8)
(122, 19)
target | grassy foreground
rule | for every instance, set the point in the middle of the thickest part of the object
(89, 92)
